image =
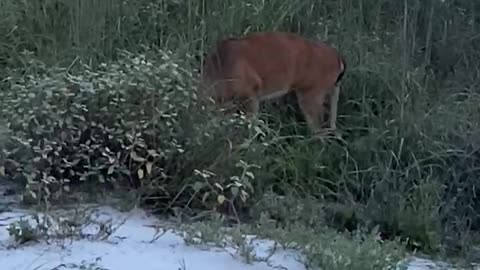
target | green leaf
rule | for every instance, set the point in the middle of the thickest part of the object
(136, 157)
(198, 185)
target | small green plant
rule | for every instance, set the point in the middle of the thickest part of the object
(22, 232)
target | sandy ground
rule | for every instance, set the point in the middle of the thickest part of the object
(135, 244)
(132, 246)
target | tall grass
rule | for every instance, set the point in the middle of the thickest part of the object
(409, 102)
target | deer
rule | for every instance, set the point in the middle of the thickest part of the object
(265, 65)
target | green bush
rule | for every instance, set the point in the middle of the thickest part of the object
(136, 120)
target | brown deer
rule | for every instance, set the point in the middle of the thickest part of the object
(267, 65)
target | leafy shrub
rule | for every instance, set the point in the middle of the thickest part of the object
(137, 119)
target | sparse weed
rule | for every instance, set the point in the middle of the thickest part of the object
(84, 265)
(59, 227)
(320, 249)
(183, 265)
(22, 232)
